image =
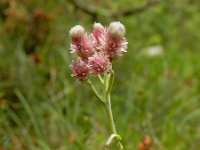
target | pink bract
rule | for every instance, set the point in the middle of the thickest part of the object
(99, 64)
(116, 43)
(80, 70)
(81, 44)
(99, 34)
(115, 47)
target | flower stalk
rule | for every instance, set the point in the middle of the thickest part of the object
(108, 109)
(105, 100)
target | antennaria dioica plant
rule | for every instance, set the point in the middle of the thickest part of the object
(94, 56)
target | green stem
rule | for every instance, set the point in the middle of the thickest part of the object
(89, 82)
(107, 88)
(110, 82)
(107, 83)
(109, 113)
(100, 79)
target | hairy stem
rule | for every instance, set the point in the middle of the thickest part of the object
(107, 105)
(109, 114)
(107, 83)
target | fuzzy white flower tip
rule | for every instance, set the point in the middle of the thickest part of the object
(116, 30)
(97, 26)
(77, 31)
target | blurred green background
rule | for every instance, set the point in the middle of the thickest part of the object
(156, 90)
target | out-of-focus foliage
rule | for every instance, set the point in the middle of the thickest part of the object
(42, 107)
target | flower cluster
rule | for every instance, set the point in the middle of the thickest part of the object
(96, 51)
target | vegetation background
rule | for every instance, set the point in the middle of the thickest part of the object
(43, 108)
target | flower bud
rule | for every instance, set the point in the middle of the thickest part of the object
(99, 64)
(116, 30)
(115, 43)
(80, 70)
(81, 44)
(98, 31)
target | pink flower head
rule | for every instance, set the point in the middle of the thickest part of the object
(115, 43)
(81, 44)
(95, 52)
(99, 33)
(80, 70)
(99, 64)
